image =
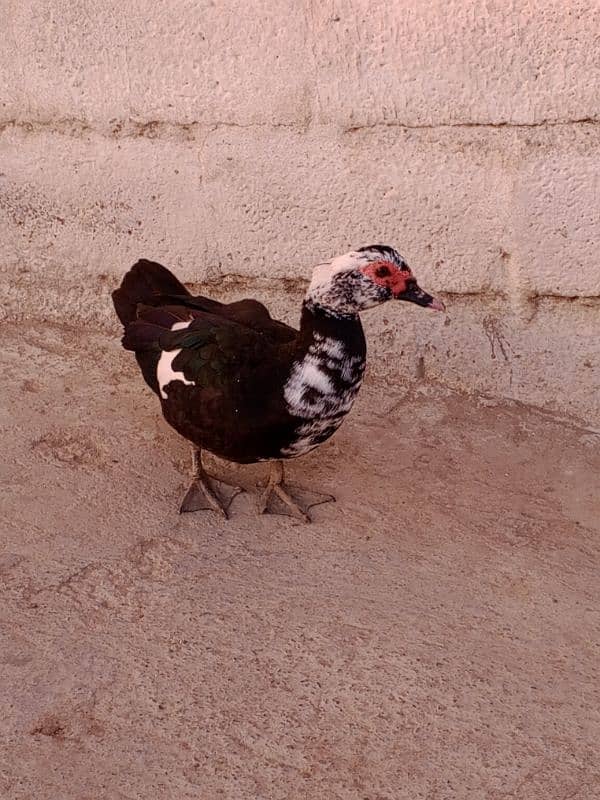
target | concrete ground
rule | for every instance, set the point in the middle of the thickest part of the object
(435, 634)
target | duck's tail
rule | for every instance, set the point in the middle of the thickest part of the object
(146, 283)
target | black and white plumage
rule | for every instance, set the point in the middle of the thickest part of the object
(249, 388)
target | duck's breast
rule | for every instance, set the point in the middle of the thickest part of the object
(320, 391)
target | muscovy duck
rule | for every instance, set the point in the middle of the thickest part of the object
(249, 388)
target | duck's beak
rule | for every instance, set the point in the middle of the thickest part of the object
(414, 294)
(436, 304)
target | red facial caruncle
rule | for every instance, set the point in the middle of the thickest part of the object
(384, 273)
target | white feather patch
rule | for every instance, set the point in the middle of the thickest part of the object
(323, 273)
(164, 369)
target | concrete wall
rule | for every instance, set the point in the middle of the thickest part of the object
(243, 142)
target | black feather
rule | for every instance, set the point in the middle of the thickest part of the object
(146, 282)
(142, 336)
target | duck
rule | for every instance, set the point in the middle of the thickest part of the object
(248, 388)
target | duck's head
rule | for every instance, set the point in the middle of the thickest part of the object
(365, 278)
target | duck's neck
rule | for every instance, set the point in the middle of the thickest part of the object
(318, 322)
(325, 375)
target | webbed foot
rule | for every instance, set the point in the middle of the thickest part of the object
(207, 493)
(290, 501)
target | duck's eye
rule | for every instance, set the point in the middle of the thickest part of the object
(382, 272)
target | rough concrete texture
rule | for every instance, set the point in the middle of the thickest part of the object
(241, 143)
(272, 61)
(432, 635)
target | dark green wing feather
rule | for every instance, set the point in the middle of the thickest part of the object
(218, 353)
(249, 313)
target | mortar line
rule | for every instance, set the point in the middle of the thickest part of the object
(160, 129)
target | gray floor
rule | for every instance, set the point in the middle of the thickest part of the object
(435, 634)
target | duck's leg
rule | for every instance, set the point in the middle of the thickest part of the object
(202, 494)
(277, 498)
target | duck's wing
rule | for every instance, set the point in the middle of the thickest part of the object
(222, 356)
(216, 352)
(249, 313)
